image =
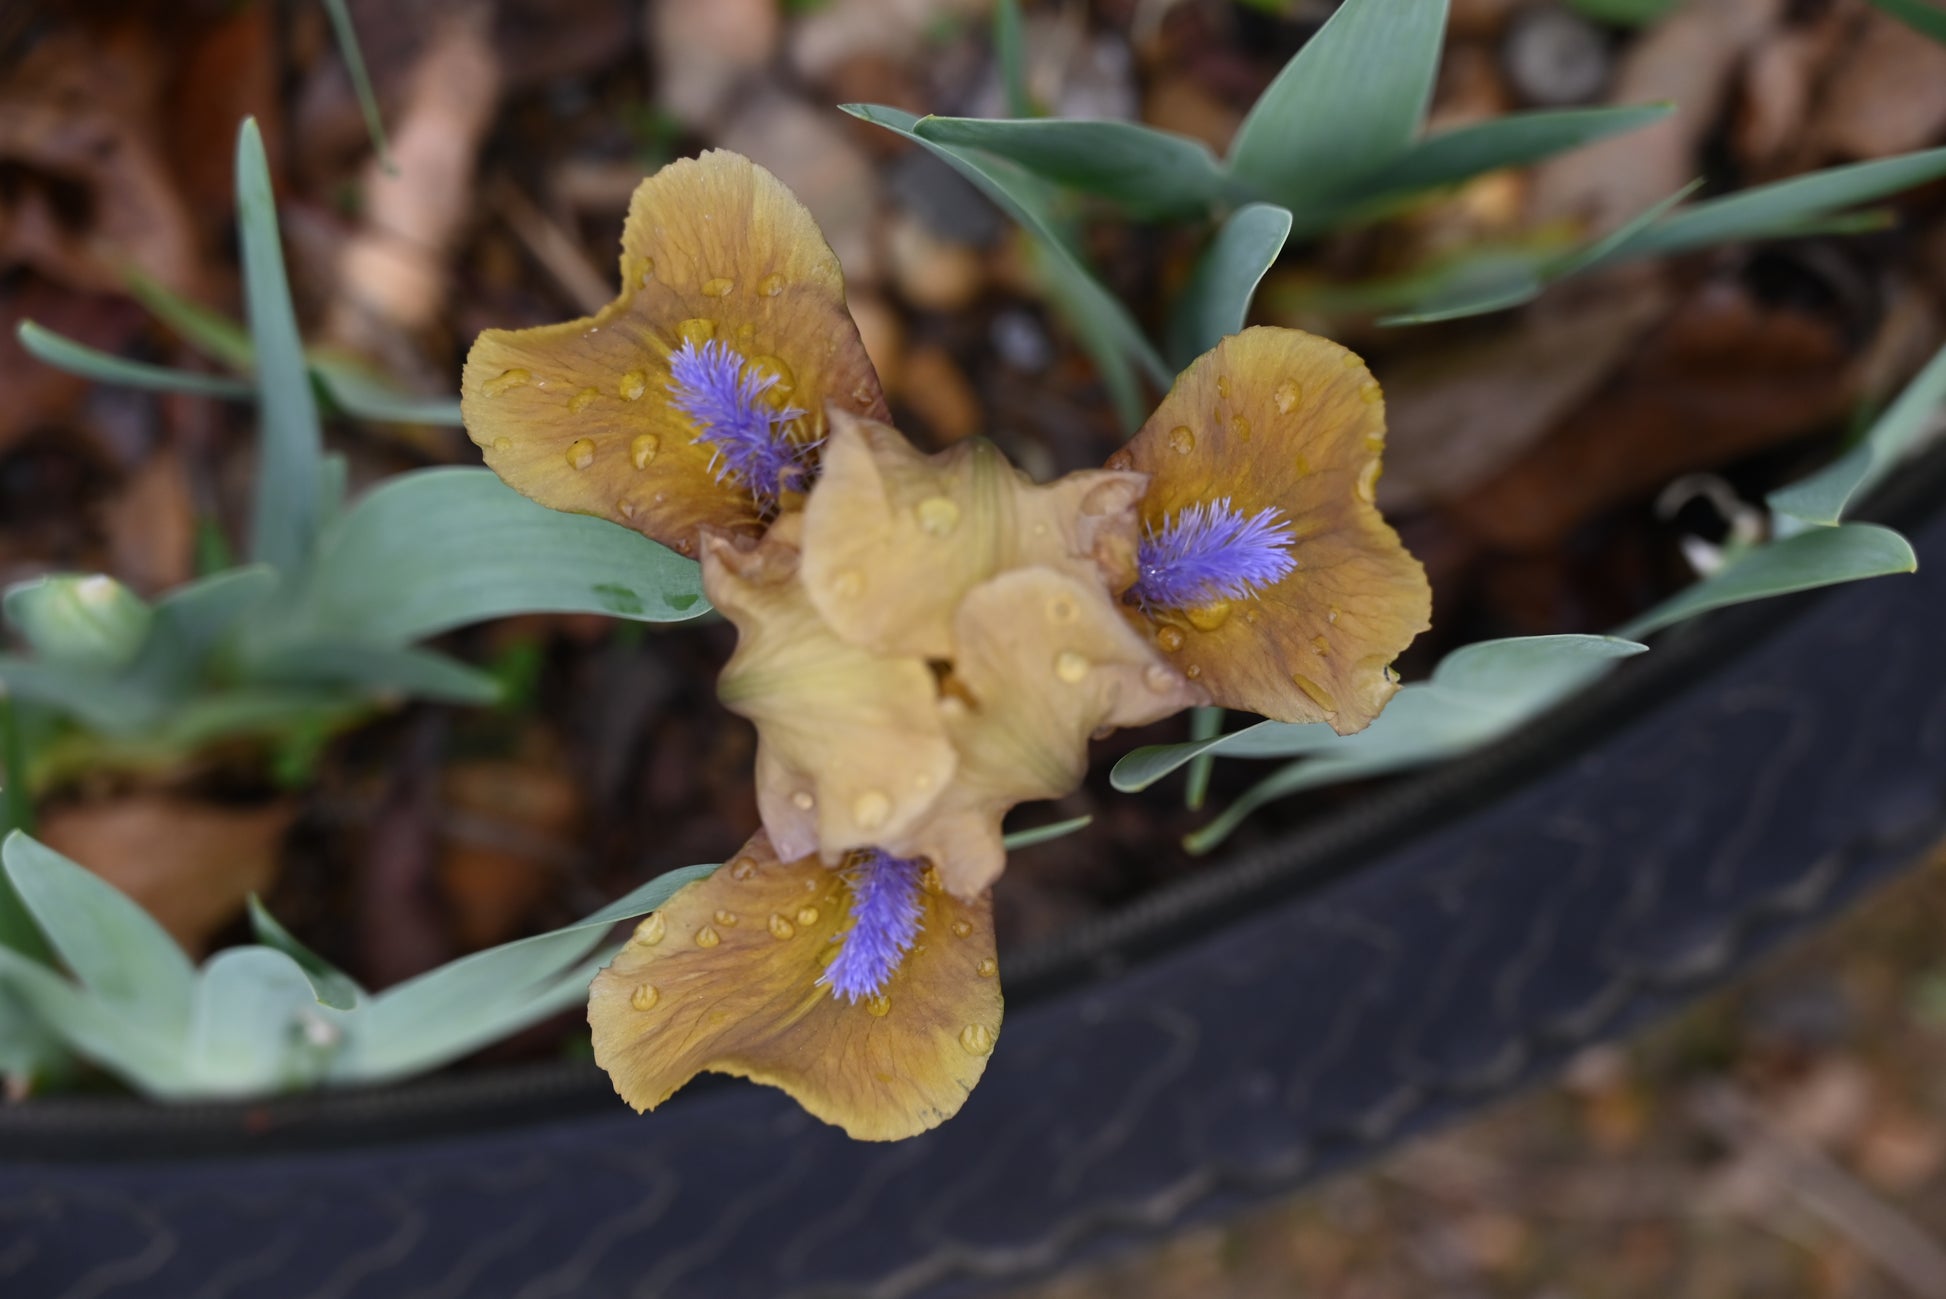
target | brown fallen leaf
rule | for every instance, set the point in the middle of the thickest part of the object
(151, 525)
(1886, 94)
(190, 863)
(507, 829)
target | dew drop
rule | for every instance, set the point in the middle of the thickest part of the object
(648, 271)
(625, 508)
(938, 516)
(1241, 426)
(503, 445)
(1193, 671)
(1070, 666)
(633, 385)
(651, 930)
(506, 381)
(727, 919)
(1170, 638)
(1121, 460)
(783, 379)
(987, 968)
(977, 1039)
(1320, 646)
(871, 809)
(642, 449)
(780, 928)
(582, 400)
(1223, 386)
(1182, 438)
(931, 882)
(1316, 693)
(1251, 615)
(962, 928)
(644, 997)
(743, 868)
(718, 287)
(1288, 394)
(803, 801)
(1208, 617)
(707, 937)
(1158, 678)
(848, 583)
(1301, 464)
(581, 453)
(771, 285)
(807, 915)
(1062, 609)
(1367, 486)
(1371, 394)
(878, 1005)
(696, 331)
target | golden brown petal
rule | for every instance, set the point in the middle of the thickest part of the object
(851, 747)
(1044, 660)
(724, 978)
(578, 415)
(1278, 417)
(893, 539)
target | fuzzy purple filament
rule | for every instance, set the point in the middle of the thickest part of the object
(746, 433)
(1210, 551)
(884, 924)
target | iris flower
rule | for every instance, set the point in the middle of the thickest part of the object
(923, 641)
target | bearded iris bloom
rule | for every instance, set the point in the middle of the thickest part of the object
(699, 396)
(1267, 574)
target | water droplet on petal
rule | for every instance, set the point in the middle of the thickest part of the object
(878, 1005)
(1158, 678)
(503, 445)
(1368, 482)
(1121, 460)
(727, 919)
(644, 997)
(1070, 666)
(1223, 386)
(707, 937)
(633, 385)
(1062, 609)
(625, 508)
(648, 271)
(780, 928)
(718, 287)
(1182, 438)
(1371, 393)
(807, 915)
(696, 331)
(783, 379)
(803, 800)
(1320, 646)
(931, 882)
(743, 868)
(506, 381)
(1241, 425)
(1208, 617)
(771, 285)
(1288, 394)
(651, 930)
(582, 400)
(962, 928)
(642, 449)
(1317, 693)
(1193, 671)
(987, 968)
(938, 516)
(581, 453)
(870, 809)
(977, 1039)
(1170, 638)
(848, 583)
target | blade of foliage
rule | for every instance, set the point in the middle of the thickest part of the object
(1026, 199)
(209, 331)
(361, 81)
(417, 673)
(360, 395)
(285, 501)
(116, 951)
(460, 1006)
(1625, 13)
(109, 704)
(1512, 141)
(246, 1028)
(1823, 497)
(17, 928)
(1785, 206)
(1146, 171)
(130, 1046)
(190, 622)
(1477, 694)
(1074, 298)
(1010, 52)
(1204, 724)
(1477, 689)
(46, 346)
(1819, 557)
(439, 548)
(92, 621)
(1923, 16)
(332, 986)
(1046, 833)
(1352, 100)
(1216, 302)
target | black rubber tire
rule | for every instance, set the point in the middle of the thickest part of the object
(1288, 1012)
